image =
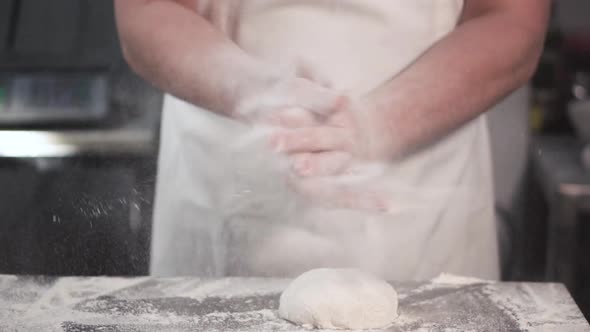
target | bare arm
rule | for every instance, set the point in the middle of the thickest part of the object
(493, 51)
(170, 44)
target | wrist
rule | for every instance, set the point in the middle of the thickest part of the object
(381, 141)
(255, 82)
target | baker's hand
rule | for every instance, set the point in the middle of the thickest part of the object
(300, 101)
(335, 163)
(350, 133)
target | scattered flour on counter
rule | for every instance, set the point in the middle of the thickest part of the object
(157, 288)
(120, 301)
(64, 293)
(6, 280)
(202, 288)
(450, 279)
(104, 302)
(403, 319)
(550, 308)
(236, 287)
(446, 280)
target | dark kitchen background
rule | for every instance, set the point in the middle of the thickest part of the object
(79, 139)
(78, 143)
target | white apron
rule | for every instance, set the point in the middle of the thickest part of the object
(445, 222)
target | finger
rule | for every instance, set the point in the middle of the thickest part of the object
(340, 119)
(334, 195)
(306, 70)
(320, 164)
(318, 99)
(311, 139)
(293, 118)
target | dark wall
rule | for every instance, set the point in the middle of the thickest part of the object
(85, 215)
(58, 33)
(5, 16)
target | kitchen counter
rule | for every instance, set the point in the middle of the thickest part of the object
(447, 303)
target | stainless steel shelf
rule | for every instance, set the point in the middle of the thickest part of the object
(55, 143)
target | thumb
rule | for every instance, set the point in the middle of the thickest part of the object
(320, 164)
(305, 69)
(318, 99)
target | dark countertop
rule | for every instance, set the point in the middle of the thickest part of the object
(446, 303)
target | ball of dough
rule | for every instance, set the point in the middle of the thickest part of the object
(339, 299)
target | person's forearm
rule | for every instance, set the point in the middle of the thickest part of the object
(459, 78)
(179, 51)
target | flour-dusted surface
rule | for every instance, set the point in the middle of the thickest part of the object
(236, 304)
